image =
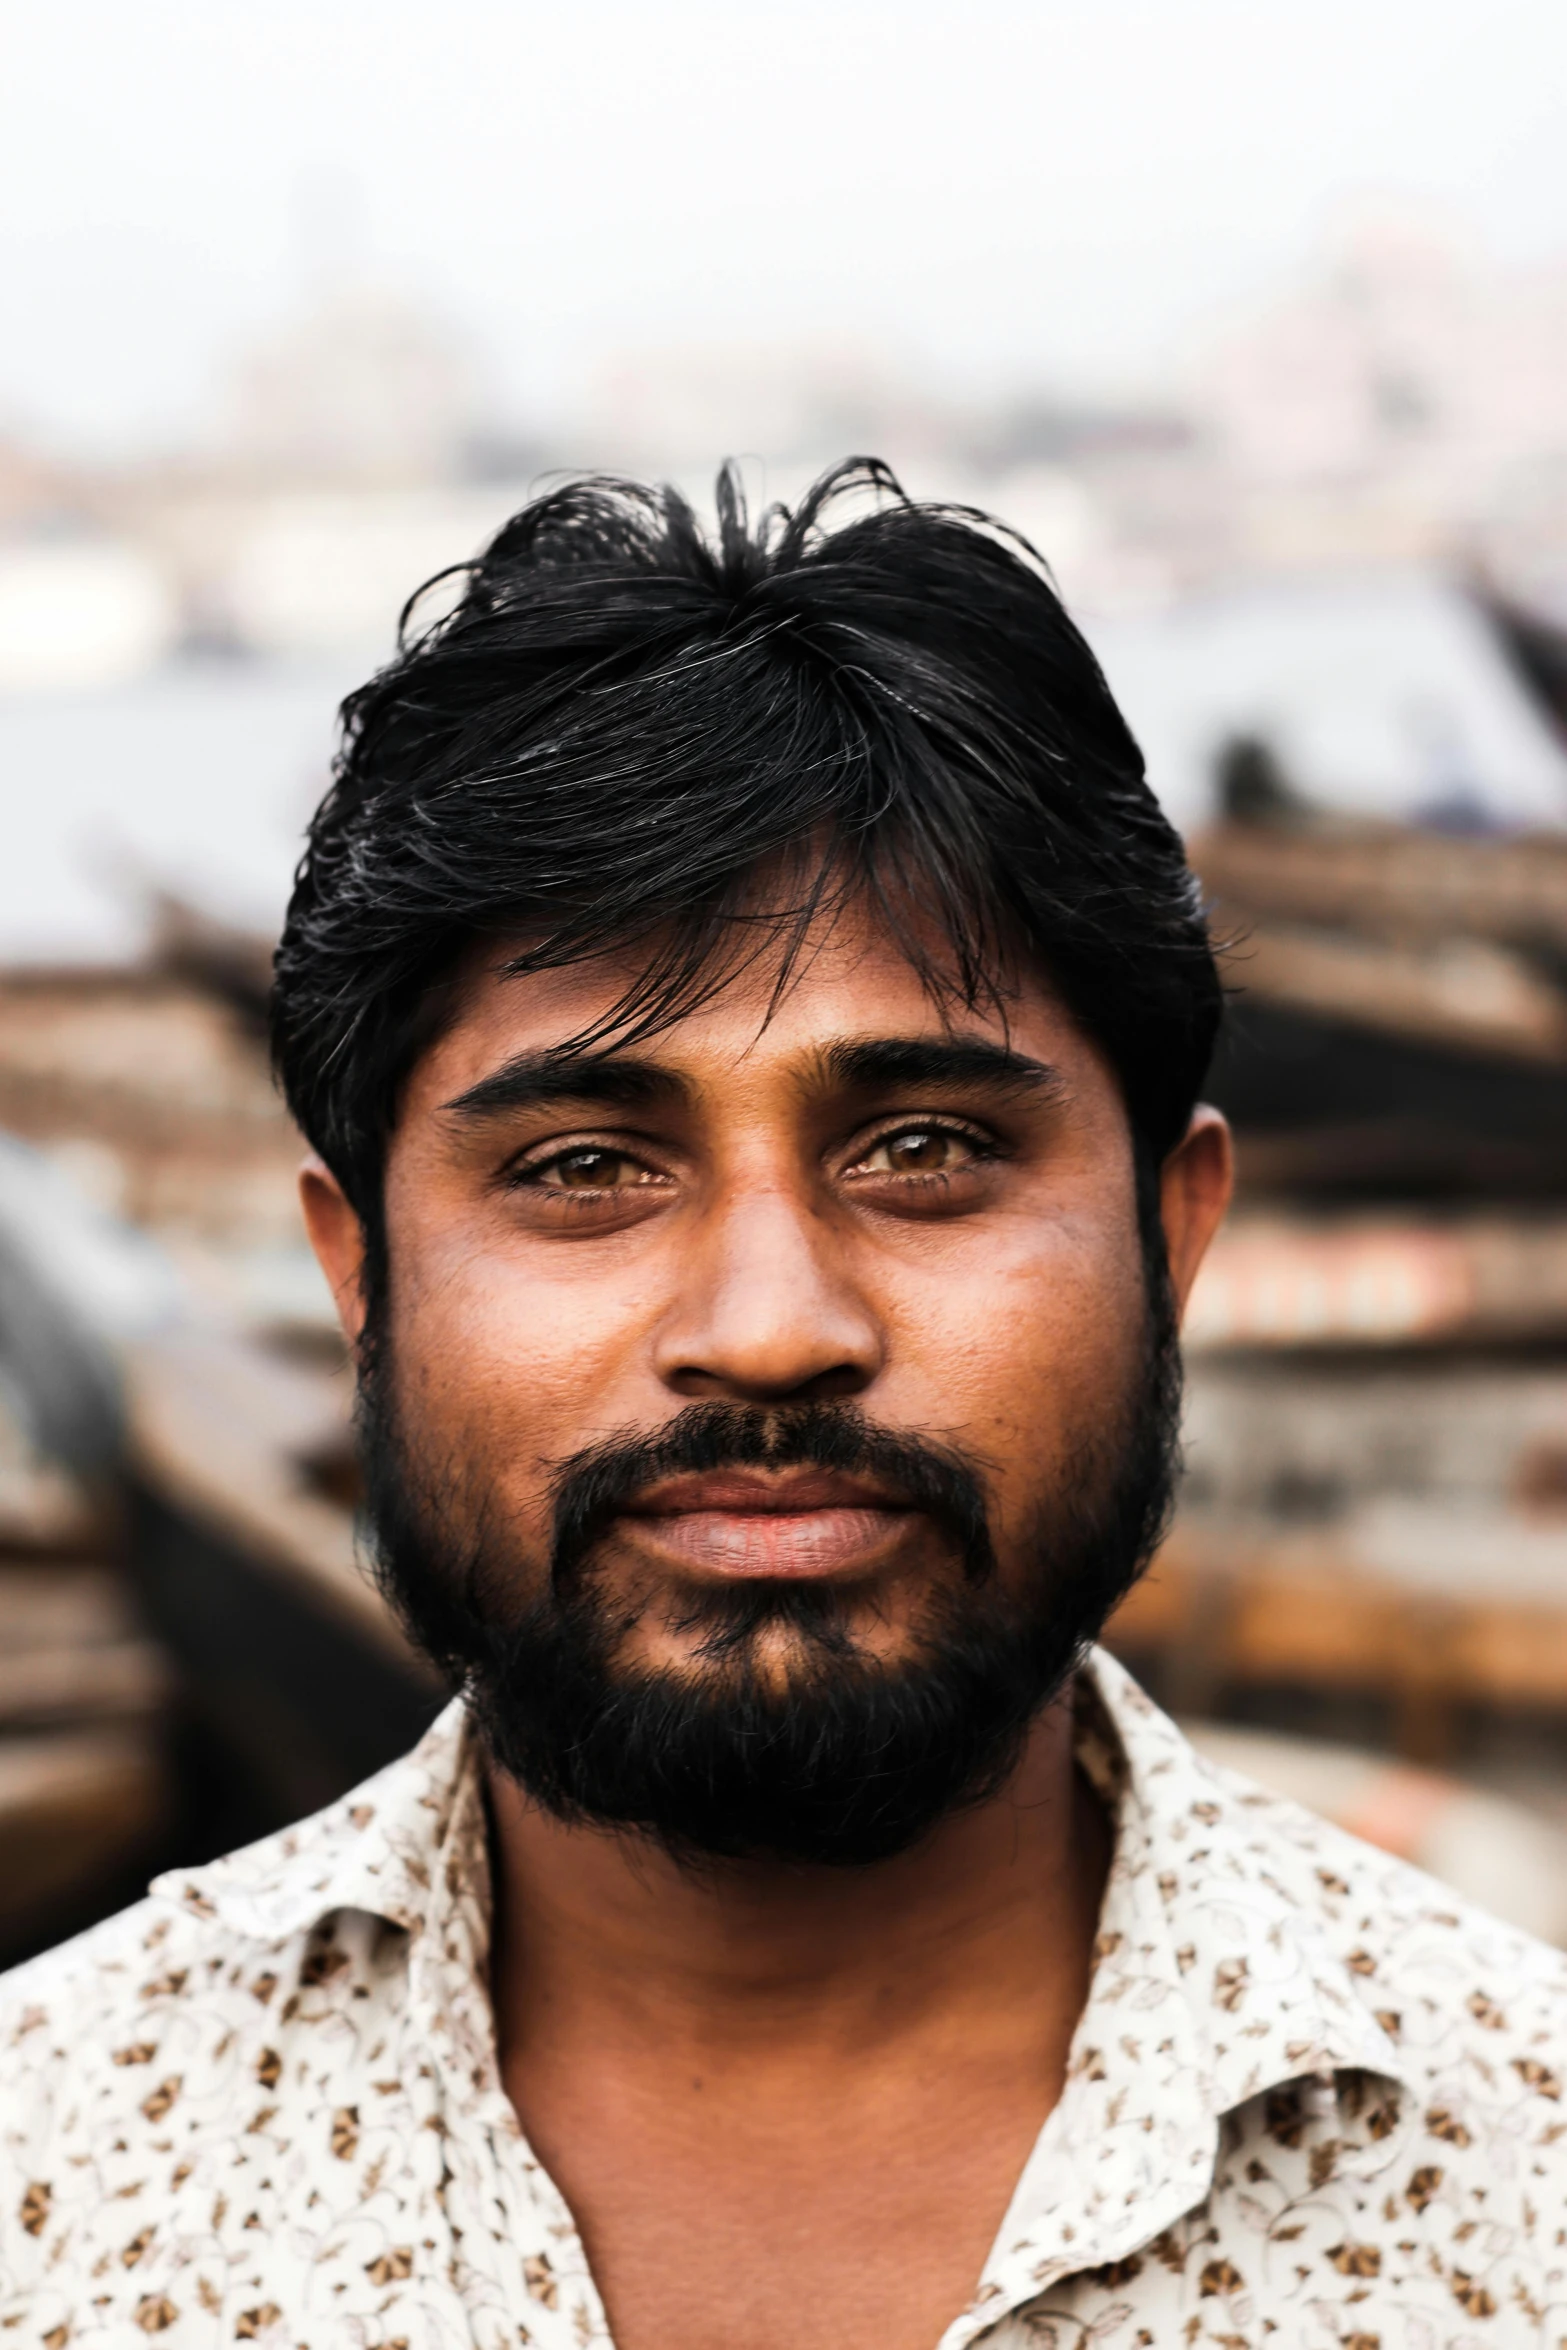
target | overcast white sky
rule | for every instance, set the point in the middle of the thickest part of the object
(1058, 190)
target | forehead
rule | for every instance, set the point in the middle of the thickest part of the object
(853, 980)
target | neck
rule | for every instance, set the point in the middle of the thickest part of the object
(991, 1916)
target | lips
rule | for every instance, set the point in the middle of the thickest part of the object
(805, 1523)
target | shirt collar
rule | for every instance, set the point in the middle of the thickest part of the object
(403, 1846)
(1268, 1995)
(1214, 1981)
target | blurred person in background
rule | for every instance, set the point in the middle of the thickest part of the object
(749, 1017)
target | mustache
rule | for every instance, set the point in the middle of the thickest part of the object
(594, 1486)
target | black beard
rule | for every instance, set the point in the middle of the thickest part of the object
(841, 1761)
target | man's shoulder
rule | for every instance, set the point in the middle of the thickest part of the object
(157, 2059)
(1456, 1991)
(111, 1970)
(95, 2048)
(1247, 1873)
(219, 1965)
(169, 2068)
(165, 2007)
(106, 2002)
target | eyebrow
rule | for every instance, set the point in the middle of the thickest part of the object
(540, 1080)
(873, 1064)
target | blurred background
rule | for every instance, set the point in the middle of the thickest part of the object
(1254, 320)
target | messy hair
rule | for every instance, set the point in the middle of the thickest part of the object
(623, 723)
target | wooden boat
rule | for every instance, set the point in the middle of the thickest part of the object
(86, 1785)
(243, 1554)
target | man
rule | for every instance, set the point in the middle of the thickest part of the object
(748, 1013)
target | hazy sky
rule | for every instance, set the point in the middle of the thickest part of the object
(1059, 190)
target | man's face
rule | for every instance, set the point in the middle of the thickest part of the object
(789, 1343)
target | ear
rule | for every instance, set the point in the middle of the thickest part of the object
(337, 1236)
(1194, 1191)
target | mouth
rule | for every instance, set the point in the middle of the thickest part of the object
(804, 1523)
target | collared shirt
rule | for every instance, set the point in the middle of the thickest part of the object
(1312, 2099)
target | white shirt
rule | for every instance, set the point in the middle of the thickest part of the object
(1312, 2100)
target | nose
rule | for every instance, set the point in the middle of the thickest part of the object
(768, 1310)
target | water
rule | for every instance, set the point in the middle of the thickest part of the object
(199, 779)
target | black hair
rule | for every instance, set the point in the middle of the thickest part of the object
(622, 722)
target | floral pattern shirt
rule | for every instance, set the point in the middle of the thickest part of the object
(1312, 2100)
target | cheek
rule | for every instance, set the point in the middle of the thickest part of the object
(512, 1370)
(1028, 1352)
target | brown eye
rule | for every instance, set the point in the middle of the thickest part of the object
(919, 1154)
(919, 1150)
(589, 1170)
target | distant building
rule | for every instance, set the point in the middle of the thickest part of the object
(364, 387)
(683, 407)
(1404, 399)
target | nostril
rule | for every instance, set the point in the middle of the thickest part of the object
(701, 1384)
(846, 1379)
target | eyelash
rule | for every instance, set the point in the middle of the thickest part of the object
(985, 1147)
(522, 1174)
